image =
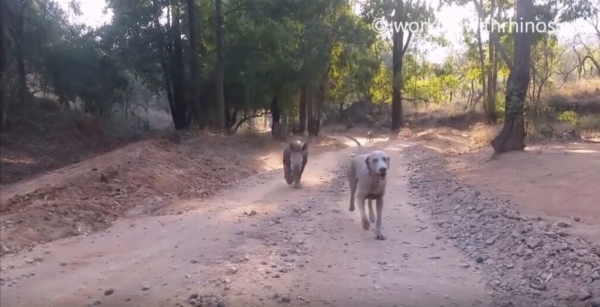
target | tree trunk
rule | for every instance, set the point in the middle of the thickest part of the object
(490, 114)
(309, 110)
(512, 135)
(482, 59)
(315, 122)
(178, 71)
(20, 54)
(275, 117)
(302, 109)
(220, 124)
(397, 45)
(195, 98)
(4, 48)
(164, 64)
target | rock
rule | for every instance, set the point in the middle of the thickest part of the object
(584, 295)
(285, 299)
(563, 224)
(63, 264)
(194, 260)
(533, 242)
(103, 178)
(5, 249)
(109, 291)
(97, 302)
(577, 219)
(145, 287)
(547, 265)
(233, 270)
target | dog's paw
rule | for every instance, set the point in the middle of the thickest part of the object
(366, 224)
(351, 208)
(379, 237)
(297, 186)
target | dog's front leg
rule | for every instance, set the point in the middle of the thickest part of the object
(363, 214)
(353, 183)
(371, 214)
(379, 208)
(352, 193)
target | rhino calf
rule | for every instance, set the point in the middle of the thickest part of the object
(295, 156)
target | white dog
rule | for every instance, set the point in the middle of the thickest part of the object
(368, 172)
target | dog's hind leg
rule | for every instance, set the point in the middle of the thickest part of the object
(363, 214)
(371, 214)
(379, 208)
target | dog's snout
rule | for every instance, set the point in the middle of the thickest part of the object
(382, 170)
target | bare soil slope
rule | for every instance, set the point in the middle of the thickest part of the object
(559, 182)
(44, 136)
(138, 179)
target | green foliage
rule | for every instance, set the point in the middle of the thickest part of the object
(65, 59)
(568, 117)
(272, 48)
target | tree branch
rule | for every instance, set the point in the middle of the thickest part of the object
(495, 39)
(403, 51)
(245, 119)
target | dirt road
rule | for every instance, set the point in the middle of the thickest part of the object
(260, 244)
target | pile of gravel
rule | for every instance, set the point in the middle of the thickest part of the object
(527, 261)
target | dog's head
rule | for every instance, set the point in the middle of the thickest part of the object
(297, 151)
(378, 163)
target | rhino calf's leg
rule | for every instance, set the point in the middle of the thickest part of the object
(297, 154)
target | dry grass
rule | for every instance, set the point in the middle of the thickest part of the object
(481, 135)
(579, 89)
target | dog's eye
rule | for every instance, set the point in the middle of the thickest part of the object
(375, 160)
(384, 159)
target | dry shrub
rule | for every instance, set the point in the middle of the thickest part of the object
(590, 123)
(481, 135)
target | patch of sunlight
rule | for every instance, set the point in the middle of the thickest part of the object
(435, 148)
(398, 147)
(581, 151)
(19, 160)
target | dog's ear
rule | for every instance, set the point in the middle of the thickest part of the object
(368, 163)
(388, 161)
(305, 146)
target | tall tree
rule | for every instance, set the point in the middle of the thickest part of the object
(196, 103)
(398, 13)
(512, 135)
(220, 116)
